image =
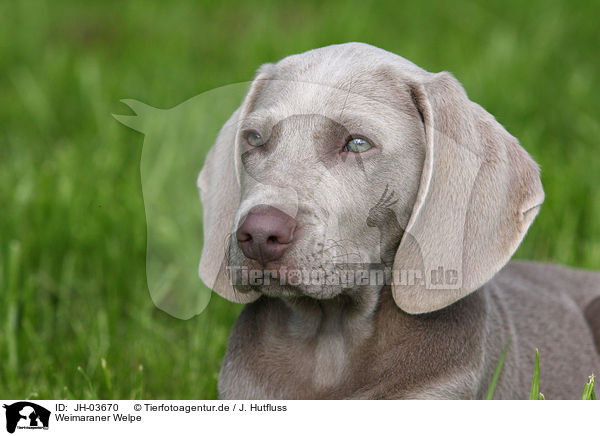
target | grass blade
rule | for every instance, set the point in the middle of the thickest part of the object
(107, 380)
(93, 393)
(535, 383)
(492, 388)
(588, 390)
(139, 390)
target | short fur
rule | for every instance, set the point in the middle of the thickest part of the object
(445, 188)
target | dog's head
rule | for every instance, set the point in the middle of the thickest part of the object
(349, 160)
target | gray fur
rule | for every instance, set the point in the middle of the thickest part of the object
(445, 188)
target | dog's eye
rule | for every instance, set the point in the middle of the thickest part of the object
(254, 139)
(357, 145)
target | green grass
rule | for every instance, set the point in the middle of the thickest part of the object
(73, 290)
(497, 372)
(535, 394)
(588, 391)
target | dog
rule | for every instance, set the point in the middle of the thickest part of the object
(365, 211)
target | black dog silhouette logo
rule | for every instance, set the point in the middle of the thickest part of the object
(26, 415)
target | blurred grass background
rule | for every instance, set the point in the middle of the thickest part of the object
(72, 226)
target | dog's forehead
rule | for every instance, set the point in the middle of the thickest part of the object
(335, 62)
(375, 90)
(337, 79)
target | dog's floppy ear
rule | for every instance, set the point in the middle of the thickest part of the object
(478, 194)
(219, 183)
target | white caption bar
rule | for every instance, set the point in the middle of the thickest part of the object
(296, 417)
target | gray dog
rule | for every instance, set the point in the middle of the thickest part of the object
(366, 210)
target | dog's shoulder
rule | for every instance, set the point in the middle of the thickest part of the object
(550, 280)
(546, 290)
(592, 316)
(554, 309)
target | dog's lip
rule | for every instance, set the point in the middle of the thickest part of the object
(270, 267)
(274, 268)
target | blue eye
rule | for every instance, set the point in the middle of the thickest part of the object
(357, 145)
(254, 139)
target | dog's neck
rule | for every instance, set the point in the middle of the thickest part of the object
(336, 327)
(312, 317)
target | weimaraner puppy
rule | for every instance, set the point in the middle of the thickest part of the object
(365, 210)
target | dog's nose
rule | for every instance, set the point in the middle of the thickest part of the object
(265, 233)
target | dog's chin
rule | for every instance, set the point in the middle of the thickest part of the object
(288, 291)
